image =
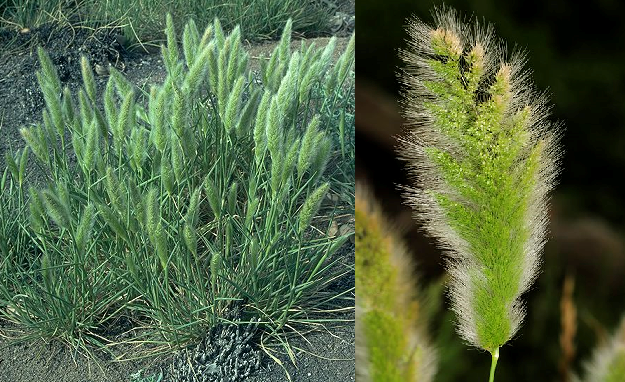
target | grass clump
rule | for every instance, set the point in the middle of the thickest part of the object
(142, 20)
(167, 207)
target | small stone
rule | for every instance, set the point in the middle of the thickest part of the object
(334, 229)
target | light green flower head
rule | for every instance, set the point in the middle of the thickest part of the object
(483, 157)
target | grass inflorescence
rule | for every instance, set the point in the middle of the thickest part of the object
(484, 157)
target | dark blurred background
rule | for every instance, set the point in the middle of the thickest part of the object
(576, 52)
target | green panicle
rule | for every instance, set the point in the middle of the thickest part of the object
(190, 238)
(191, 216)
(486, 157)
(271, 71)
(248, 114)
(252, 187)
(85, 228)
(86, 111)
(207, 36)
(11, 165)
(390, 343)
(222, 80)
(326, 55)
(308, 150)
(136, 149)
(195, 75)
(232, 198)
(112, 186)
(346, 60)
(244, 59)
(101, 122)
(53, 104)
(234, 104)
(46, 270)
(137, 201)
(260, 136)
(78, 143)
(218, 32)
(37, 145)
(274, 130)
(62, 191)
(250, 213)
(232, 71)
(125, 121)
(58, 211)
(159, 238)
(50, 75)
(307, 53)
(91, 146)
(189, 144)
(167, 175)
(22, 166)
(173, 56)
(152, 210)
(287, 92)
(36, 210)
(307, 82)
(179, 113)
(212, 58)
(216, 263)
(48, 125)
(323, 148)
(110, 108)
(159, 131)
(177, 159)
(190, 41)
(122, 85)
(284, 46)
(311, 207)
(88, 78)
(69, 113)
(290, 161)
(214, 196)
(331, 82)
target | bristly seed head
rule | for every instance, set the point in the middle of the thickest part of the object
(483, 157)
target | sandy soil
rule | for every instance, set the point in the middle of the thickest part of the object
(324, 355)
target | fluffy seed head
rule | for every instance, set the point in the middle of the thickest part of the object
(483, 158)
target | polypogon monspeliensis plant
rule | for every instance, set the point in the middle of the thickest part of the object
(483, 157)
(168, 206)
(391, 340)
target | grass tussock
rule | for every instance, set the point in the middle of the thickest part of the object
(168, 206)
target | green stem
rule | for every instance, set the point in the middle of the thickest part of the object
(493, 365)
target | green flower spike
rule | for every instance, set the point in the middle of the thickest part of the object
(483, 158)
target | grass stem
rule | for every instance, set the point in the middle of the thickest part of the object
(493, 365)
